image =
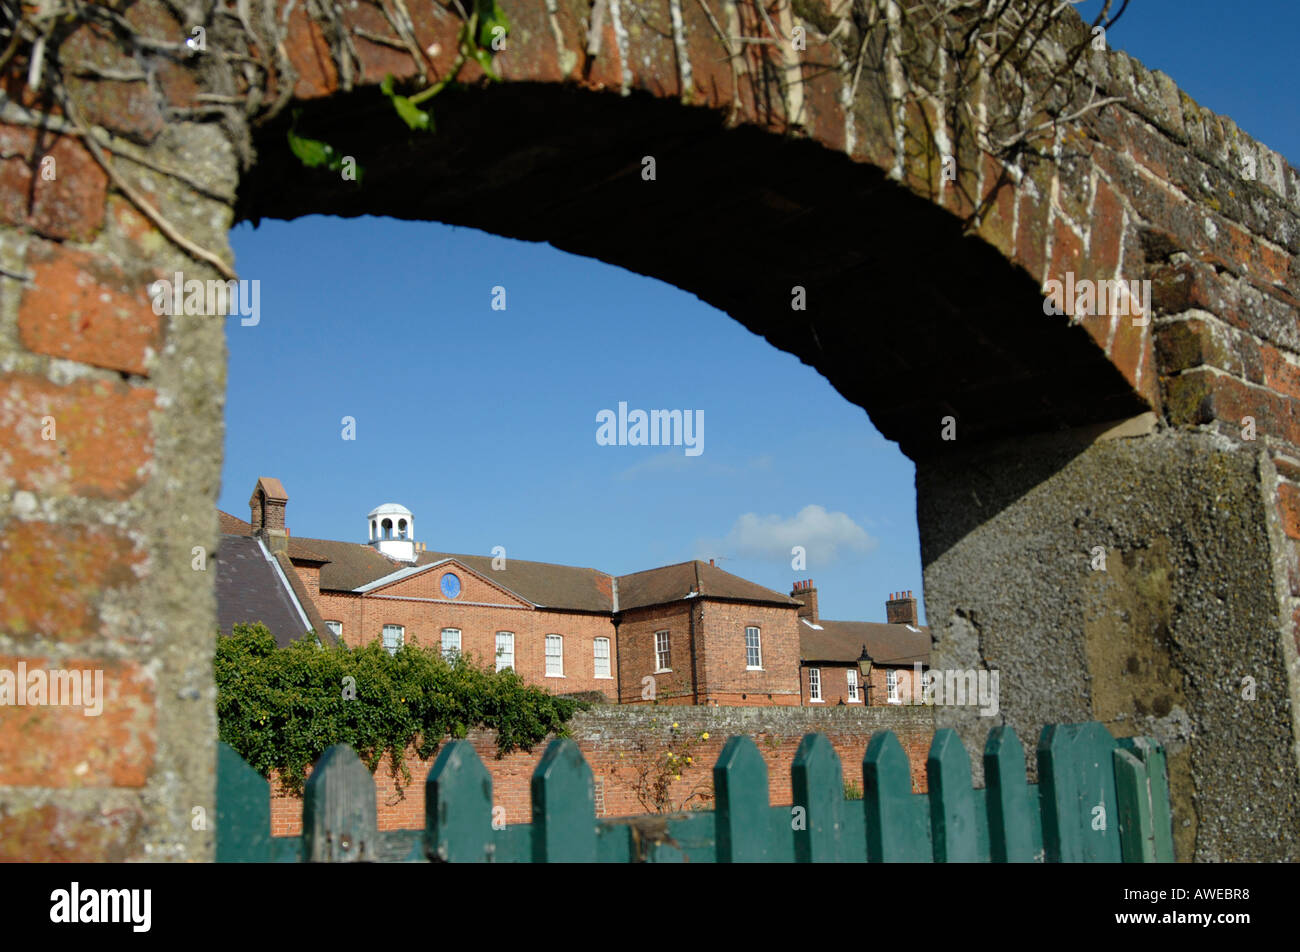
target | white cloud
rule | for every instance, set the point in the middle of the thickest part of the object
(824, 535)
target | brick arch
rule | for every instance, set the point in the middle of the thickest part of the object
(924, 300)
(746, 206)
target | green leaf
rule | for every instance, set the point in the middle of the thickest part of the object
(311, 152)
(490, 16)
(484, 59)
(413, 115)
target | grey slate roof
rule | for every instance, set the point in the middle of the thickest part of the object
(249, 589)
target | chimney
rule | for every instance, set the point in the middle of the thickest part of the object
(901, 608)
(806, 592)
(266, 513)
(711, 562)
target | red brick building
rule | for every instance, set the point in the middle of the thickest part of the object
(689, 633)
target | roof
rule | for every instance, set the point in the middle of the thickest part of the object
(271, 487)
(233, 525)
(691, 579)
(842, 641)
(349, 566)
(542, 583)
(389, 509)
(252, 586)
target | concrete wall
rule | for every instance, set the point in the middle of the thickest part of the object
(1159, 642)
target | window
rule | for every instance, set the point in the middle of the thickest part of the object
(853, 684)
(891, 682)
(815, 684)
(505, 650)
(336, 627)
(753, 649)
(602, 658)
(450, 642)
(554, 656)
(394, 636)
(662, 657)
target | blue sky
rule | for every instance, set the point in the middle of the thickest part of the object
(483, 422)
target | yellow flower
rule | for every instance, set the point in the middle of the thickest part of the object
(620, 753)
(677, 776)
(674, 725)
(690, 760)
(704, 736)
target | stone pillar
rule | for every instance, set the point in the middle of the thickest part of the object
(1130, 576)
(111, 433)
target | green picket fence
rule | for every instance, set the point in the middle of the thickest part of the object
(1098, 800)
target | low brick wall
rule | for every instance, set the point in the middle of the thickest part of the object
(616, 739)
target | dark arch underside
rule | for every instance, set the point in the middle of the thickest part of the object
(906, 316)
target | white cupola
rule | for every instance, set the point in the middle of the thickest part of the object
(392, 531)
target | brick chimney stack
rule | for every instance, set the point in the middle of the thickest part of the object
(806, 592)
(266, 513)
(901, 609)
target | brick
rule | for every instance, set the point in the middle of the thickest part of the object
(81, 307)
(102, 429)
(1288, 509)
(125, 107)
(58, 834)
(70, 204)
(1031, 234)
(49, 745)
(1106, 231)
(53, 577)
(998, 225)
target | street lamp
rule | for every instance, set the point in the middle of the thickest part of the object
(864, 665)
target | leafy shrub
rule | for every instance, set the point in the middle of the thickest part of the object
(280, 708)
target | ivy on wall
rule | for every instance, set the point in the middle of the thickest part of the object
(280, 708)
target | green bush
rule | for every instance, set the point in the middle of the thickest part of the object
(280, 708)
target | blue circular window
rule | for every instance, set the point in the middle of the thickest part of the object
(450, 585)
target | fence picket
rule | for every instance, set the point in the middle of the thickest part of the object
(339, 818)
(817, 781)
(741, 816)
(1098, 800)
(458, 807)
(243, 810)
(1077, 774)
(564, 806)
(896, 830)
(952, 800)
(1142, 792)
(1010, 803)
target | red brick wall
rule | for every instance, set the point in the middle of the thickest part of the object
(611, 739)
(310, 575)
(636, 654)
(724, 677)
(364, 617)
(835, 683)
